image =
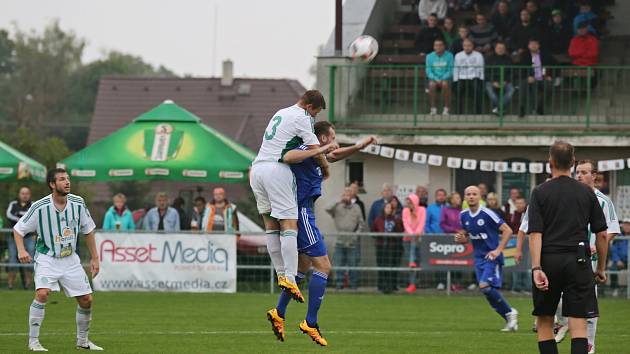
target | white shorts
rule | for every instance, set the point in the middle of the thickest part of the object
(275, 190)
(50, 272)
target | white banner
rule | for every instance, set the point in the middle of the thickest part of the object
(166, 262)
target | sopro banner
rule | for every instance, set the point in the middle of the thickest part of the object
(166, 262)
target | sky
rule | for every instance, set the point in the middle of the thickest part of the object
(264, 38)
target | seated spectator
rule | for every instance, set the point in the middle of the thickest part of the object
(619, 257)
(220, 215)
(468, 76)
(426, 8)
(434, 211)
(161, 217)
(198, 212)
(427, 36)
(588, 16)
(118, 217)
(538, 79)
(492, 203)
(498, 61)
(559, 34)
(537, 16)
(347, 217)
(178, 204)
(448, 31)
(584, 47)
(439, 71)
(483, 34)
(502, 20)
(449, 220)
(514, 6)
(414, 219)
(388, 249)
(458, 44)
(522, 33)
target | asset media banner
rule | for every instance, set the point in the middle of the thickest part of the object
(166, 262)
(441, 252)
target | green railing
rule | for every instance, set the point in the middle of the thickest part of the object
(398, 96)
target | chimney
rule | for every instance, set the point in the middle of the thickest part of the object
(227, 78)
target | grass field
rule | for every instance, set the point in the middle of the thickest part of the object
(352, 323)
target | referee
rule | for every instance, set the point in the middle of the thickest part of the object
(560, 211)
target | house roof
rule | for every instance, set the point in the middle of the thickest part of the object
(240, 111)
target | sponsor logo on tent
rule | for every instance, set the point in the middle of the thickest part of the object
(121, 173)
(157, 172)
(231, 174)
(195, 173)
(6, 170)
(83, 173)
(163, 142)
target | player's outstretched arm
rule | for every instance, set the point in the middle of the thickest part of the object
(342, 153)
(297, 156)
(90, 241)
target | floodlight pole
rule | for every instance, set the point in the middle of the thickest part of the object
(338, 26)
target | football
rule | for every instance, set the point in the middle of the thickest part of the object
(364, 49)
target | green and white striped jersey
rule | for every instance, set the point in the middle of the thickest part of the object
(57, 231)
(611, 218)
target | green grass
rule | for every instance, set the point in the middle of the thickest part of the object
(352, 323)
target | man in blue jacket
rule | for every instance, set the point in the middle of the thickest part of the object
(439, 71)
(619, 256)
(434, 211)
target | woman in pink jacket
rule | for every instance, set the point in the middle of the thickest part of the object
(414, 217)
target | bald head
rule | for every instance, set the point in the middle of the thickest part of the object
(472, 194)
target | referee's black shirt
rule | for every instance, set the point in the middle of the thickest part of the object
(562, 209)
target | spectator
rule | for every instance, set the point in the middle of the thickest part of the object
(439, 71)
(492, 203)
(537, 16)
(397, 205)
(559, 34)
(510, 205)
(448, 31)
(388, 249)
(348, 219)
(161, 217)
(499, 61)
(514, 220)
(428, 8)
(502, 20)
(584, 47)
(220, 215)
(198, 212)
(458, 44)
(434, 211)
(522, 33)
(619, 256)
(178, 204)
(423, 196)
(16, 209)
(414, 218)
(354, 186)
(377, 207)
(426, 37)
(588, 16)
(538, 78)
(468, 76)
(118, 217)
(449, 220)
(514, 6)
(483, 34)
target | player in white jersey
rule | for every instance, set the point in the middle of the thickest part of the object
(274, 185)
(586, 172)
(58, 219)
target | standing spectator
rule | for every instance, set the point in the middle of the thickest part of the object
(434, 212)
(198, 213)
(538, 78)
(377, 207)
(426, 37)
(178, 204)
(458, 44)
(448, 31)
(354, 187)
(619, 256)
(584, 47)
(510, 205)
(449, 219)
(522, 32)
(15, 211)
(220, 215)
(483, 34)
(397, 206)
(468, 76)
(388, 249)
(348, 219)
(515, 219)
(414, 219)
(439, 71)
(161, 217)
(499, 61)
(520, 280)
(118, 217)
(423, 196)
(588, 16)
(428, 8)
(502, 20)
(559, 34)
(492, 203)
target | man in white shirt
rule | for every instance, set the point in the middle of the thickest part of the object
(468, 77)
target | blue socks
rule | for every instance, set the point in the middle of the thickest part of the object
(285, 298)
(316, 290)
(498, 303)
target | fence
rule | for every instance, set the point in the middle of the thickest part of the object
(398, 96)
(374, 262)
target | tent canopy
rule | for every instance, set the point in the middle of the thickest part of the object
(14, 165)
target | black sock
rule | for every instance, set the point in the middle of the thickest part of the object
(579, 346)
(548, 347)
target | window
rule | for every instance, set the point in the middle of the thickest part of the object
(354, 172)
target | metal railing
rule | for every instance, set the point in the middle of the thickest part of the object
(398, 96)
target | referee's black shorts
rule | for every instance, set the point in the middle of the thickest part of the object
(574, 281)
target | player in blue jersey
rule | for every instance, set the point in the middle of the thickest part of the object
(489, 235)
(311, 246)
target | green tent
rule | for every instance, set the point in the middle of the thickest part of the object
(14, 165)
(165, 143)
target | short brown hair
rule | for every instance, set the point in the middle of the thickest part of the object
(593, 165)
(322, 128)
(562, 153)
(315, 98)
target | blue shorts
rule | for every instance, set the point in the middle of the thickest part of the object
(310, 241)
(489, 272)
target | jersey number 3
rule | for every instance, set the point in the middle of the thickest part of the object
(276, 122)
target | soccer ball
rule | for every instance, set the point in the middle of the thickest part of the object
(364, 49)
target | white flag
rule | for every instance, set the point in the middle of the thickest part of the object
(547, 167)
(617, 164)
(603, 166)
(387, 151)
(519, 167)
(500, 166)
(535, 167)
(373, 149)
(469, 164)
(487, 166)
(454, 162)
(402, 155)
(435, 160)
(419, 157)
